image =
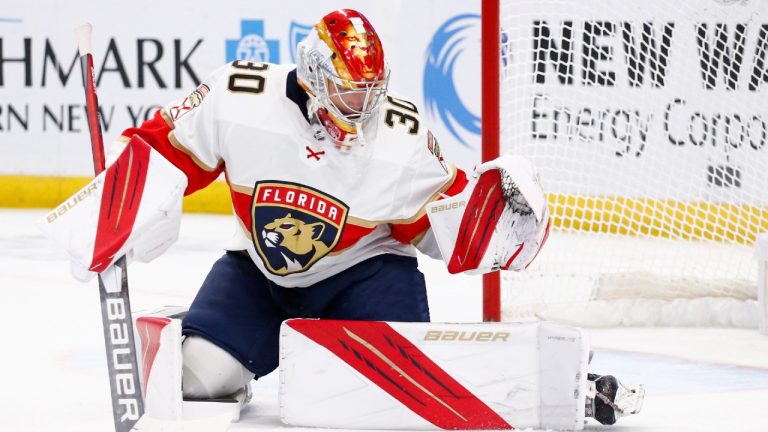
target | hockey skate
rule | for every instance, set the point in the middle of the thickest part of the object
(608, 399)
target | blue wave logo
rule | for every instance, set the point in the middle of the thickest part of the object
(253, 45)
(440, 93)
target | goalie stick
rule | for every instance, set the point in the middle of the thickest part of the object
(128, 404)
(117, 321)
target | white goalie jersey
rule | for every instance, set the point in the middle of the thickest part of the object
(306, 209)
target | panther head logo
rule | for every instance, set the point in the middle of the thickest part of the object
(298, 242)
(293, 226)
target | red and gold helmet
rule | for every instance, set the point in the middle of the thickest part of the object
(341, 65)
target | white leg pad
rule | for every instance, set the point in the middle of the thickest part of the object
(162, 366)
(432, 376)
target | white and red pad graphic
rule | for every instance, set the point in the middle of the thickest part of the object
(427, 376)
(133, 206)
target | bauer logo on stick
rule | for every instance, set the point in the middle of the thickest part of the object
(294, 225)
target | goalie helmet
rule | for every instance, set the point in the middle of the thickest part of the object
(341, 65)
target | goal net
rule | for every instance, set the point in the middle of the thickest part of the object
(648, 123)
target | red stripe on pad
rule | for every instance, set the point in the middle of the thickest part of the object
(397, 366)
(483, 211)
(512, 258)
(120, 199)
(150, 329)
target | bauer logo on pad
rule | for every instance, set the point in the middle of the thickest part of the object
(294, 225)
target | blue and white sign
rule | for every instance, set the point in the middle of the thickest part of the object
(253, 44)
(296, 33)
(442, 82)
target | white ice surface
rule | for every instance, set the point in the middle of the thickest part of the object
(53, 368)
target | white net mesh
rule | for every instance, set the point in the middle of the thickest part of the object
(648, 122)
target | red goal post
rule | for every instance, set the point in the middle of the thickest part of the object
(490, 37)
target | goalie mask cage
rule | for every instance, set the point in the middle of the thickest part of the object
(648, 123)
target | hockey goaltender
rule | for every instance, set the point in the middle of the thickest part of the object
(335, 182)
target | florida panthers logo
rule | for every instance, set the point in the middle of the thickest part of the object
(298, 241)
(294, 225)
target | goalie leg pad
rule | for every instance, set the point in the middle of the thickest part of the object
(431, 376)
(162, 364)
(159, 337)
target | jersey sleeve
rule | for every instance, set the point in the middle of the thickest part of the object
(433, 179)
(185, 133)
